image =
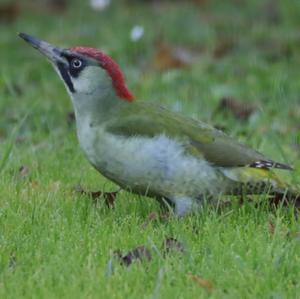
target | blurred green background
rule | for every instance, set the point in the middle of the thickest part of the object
(233, 64)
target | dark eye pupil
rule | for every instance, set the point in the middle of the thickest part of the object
(76, 63)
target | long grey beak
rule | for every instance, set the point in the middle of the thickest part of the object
(53, 53)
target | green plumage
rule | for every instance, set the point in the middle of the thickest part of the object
(204, 142)
(200, 139)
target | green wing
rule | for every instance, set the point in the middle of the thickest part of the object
(199, 139)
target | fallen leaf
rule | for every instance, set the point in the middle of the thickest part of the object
(172, 245)
(223, 47)
(22, 172)
(109, 197)
(203, 283)
(168, 57)
(139, 253)
(9, 12)
(57, 5)
(241, 110)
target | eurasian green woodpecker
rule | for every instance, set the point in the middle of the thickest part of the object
(147, 149)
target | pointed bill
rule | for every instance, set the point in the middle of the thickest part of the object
(56, 55)
(53, 53)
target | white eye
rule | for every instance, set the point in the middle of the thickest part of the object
(76, 63)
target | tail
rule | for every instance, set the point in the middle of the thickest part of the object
(269, 164)
(247, 180)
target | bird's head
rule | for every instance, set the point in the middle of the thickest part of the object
(86, 72)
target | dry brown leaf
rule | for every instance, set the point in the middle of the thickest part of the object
(44, 7)
(57, 5)
(9, 12)
(241, 110)
(139, 253)
(109, 197)
(202, 282)
(223, 48)
(168, 57)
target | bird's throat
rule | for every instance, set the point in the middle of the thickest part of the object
(95, 107)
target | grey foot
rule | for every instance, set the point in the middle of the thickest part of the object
(184, 205)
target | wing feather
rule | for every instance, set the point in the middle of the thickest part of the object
(199, 139)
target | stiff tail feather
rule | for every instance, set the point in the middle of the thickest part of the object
(255, 181)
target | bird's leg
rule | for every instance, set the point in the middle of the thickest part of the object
(183, 205)
(179, 206)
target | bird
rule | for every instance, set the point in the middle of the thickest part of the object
(149, 150)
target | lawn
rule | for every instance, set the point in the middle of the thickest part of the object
(56, 242)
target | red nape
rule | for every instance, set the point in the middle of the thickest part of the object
(112, 69)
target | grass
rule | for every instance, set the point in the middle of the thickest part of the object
(55, 243)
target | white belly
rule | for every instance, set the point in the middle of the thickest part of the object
(156, 165)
